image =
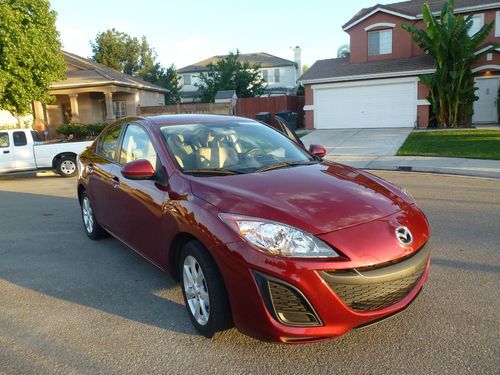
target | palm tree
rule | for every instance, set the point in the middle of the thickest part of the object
(344, 51)
(447, 39)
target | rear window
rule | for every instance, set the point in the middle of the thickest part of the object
(36, 136)
(4, 140)
(108, 143)
(20, 139)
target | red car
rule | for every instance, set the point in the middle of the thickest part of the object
(261, 233)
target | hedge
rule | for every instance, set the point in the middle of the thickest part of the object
(80, 131)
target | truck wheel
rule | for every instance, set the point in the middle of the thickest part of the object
(66, 166)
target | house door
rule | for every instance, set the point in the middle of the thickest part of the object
(485, 108)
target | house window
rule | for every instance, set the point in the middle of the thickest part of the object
(379, 42)
(120, 108)
(276, 75)
(186, 78)
(477, 23)
(265, 75)
(497, 24)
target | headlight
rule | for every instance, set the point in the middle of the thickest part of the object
(278, 239)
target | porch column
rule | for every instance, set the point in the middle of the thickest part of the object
(75, 114)
(110, 116)
(39, 117)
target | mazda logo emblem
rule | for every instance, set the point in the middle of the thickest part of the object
(404, 235)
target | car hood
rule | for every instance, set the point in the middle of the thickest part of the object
(318, 198)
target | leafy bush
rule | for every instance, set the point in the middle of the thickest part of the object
(80, 131)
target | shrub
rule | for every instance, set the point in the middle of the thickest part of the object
(80, 131)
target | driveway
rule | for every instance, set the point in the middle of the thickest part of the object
(359, 142)
(71, 305)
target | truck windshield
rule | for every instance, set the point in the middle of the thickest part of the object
(231, 147)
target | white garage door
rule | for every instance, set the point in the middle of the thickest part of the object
(366, 105)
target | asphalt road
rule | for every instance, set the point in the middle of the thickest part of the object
(70, 305)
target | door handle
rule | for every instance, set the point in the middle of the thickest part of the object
(6, 152)
(115, 181)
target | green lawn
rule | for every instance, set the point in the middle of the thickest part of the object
(476, 144)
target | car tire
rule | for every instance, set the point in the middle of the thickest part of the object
(92, 228)
(66, 166)
(204, 292)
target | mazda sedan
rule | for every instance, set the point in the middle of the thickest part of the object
(261, 233)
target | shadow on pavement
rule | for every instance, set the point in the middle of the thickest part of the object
(43, 247)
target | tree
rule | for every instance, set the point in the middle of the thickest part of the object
(167, 78)
(128, 55)
(229, 73)
(447, 40)
(344, 51)
(122, 52)
(30, 54)
(305, 68)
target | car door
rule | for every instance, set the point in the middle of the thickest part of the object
(6, 154)
(23, 152)
(137, 204)
(100, 169)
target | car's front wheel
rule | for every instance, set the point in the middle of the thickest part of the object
(204, 291)
(92, 227)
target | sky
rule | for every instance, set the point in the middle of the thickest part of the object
(186, 31)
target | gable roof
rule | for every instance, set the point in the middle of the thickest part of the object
(225, 94)
(91, 73)
(266, 60)
(412, 9)
(340, 69)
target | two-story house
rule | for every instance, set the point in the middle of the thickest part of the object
(378, 85)
(280, 74)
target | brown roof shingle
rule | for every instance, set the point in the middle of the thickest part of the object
(266, 60)
(414, 7)
(342, 69)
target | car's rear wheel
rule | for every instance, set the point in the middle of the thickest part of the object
(204, 291)
(66, 166)
(92, 227)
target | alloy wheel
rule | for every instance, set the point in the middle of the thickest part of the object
(196, 290)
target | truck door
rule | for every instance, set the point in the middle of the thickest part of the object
(6, 154)
(24, 157)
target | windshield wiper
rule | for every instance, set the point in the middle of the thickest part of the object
(284, 165)
(223, 171)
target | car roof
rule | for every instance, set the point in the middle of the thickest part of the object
(192, 118)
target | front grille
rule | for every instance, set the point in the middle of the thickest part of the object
(377, 288)
(286, 303)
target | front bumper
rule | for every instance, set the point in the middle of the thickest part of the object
(335, 301)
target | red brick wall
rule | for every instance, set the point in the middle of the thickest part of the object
(309, 100)
(402, 44)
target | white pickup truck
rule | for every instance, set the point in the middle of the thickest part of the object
(22, 150)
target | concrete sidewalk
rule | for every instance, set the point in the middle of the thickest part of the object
(458, 166)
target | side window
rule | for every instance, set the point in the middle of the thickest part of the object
(4, 140)
(108, 143)
(137, 145)
(36, 136)
(19, 139)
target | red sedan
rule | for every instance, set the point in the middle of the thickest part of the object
(261, 233)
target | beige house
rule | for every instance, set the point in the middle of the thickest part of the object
(93, 93)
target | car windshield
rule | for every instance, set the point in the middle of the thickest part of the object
(231, 147)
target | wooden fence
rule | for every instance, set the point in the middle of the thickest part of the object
(245, 107)
(186, 108)
(249, 107)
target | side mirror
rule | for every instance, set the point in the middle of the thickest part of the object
(138, 170)
(317, 150)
